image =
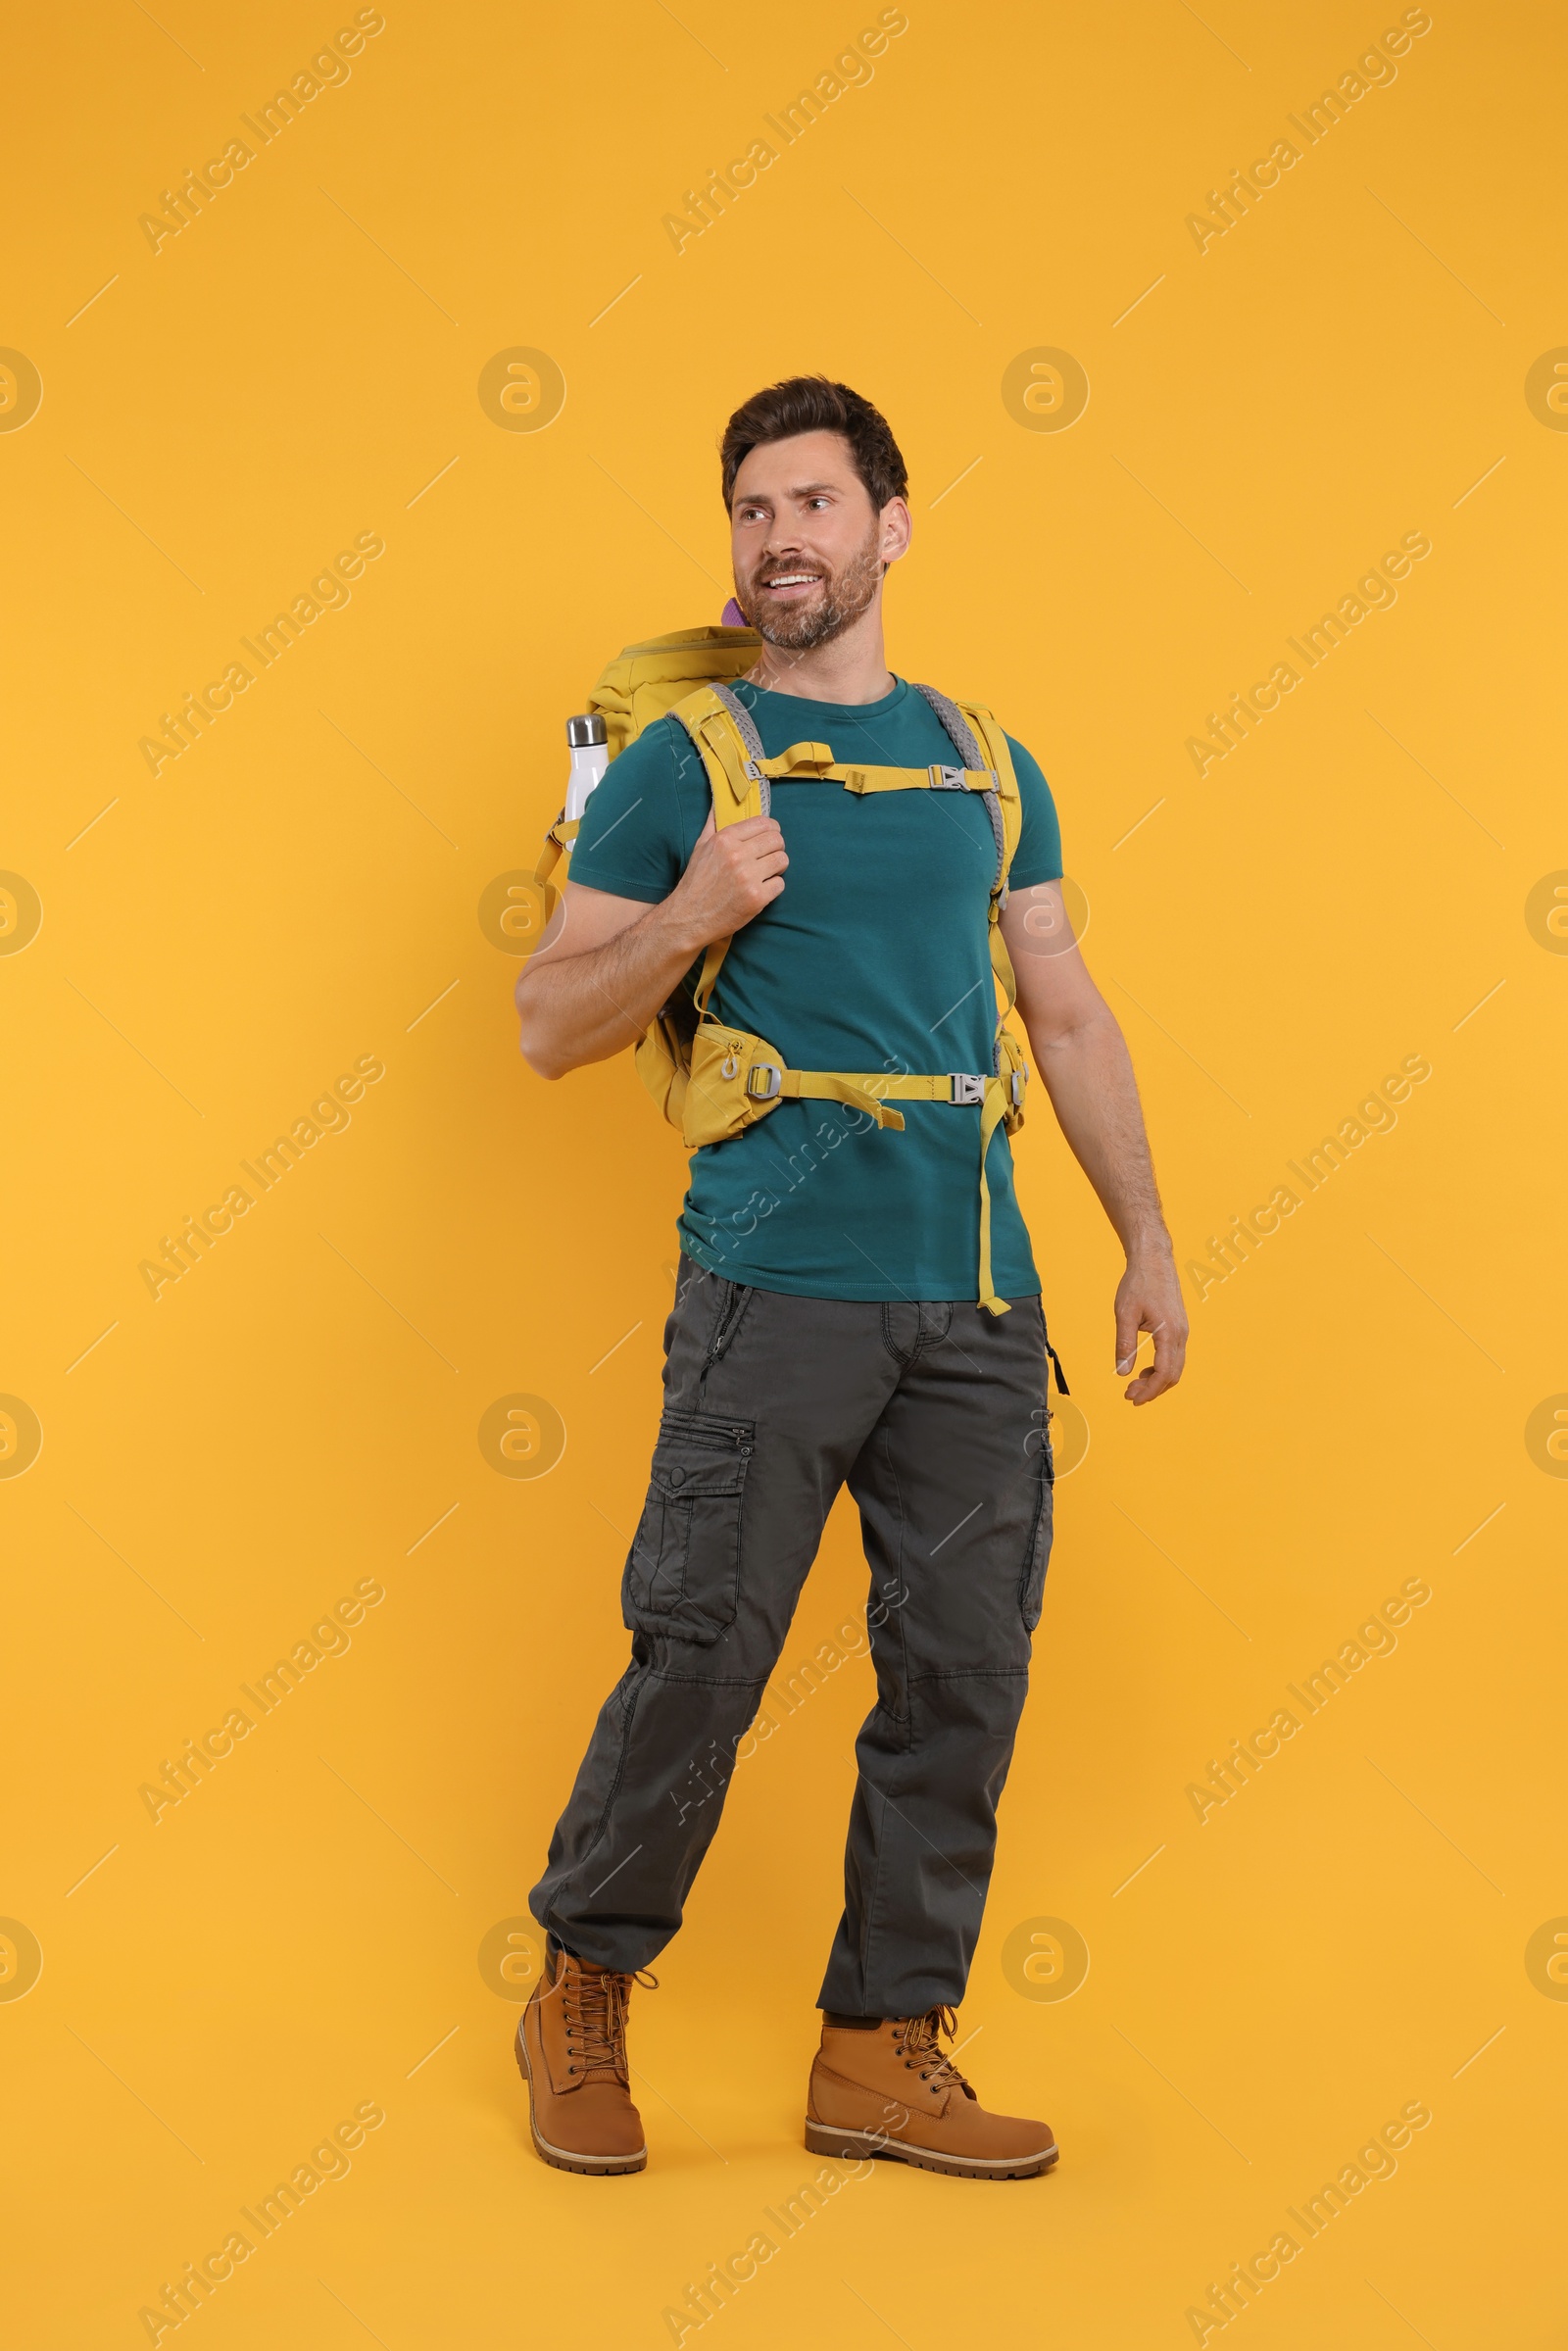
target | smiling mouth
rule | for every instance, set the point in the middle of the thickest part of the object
(786, 582)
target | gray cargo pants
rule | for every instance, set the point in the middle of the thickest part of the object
(936, 1414)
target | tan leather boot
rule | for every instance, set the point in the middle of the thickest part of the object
(888, 2090)
(571, 2047)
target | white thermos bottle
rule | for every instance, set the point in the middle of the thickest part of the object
(590, 756)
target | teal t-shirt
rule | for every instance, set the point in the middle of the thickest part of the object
(875, 956)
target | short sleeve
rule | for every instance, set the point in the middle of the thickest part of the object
(642, 821)
(1038, 856)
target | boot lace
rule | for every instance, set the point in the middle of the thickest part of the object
(915, 2039)
(594, 2004)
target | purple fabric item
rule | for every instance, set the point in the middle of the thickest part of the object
(732, 617)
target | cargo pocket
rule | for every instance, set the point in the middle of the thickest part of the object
(682, 1574)
(1032, 1589)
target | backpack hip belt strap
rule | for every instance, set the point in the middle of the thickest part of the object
(736, 1079)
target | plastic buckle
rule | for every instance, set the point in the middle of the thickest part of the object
(752, 774)
(947, 779)
(764, 1071)
(1018, 1077)
(966, 1087)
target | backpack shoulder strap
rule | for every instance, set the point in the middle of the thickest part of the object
(725, 738)
(999, 758)
(981, 743)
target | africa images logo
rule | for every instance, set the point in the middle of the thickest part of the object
(329, 1114)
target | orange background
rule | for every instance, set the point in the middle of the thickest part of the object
(301, 1412)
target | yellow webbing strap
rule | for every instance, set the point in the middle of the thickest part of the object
(991, 1116)
(734, 786)
(994, 743)
(736, 794)
(914, 779)
(712, 960)
(801, 759)
(868, 1090)
(558, 840)
(1001, 966)
(817, 759)
(838, 1086)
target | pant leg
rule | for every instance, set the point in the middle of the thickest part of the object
(768, 1401)
(954, 1488)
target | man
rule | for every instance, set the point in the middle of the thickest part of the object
(826, 1327)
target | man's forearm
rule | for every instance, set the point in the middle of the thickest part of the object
(1089, 1076)
(585, 1007)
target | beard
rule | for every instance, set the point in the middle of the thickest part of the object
(802, 627)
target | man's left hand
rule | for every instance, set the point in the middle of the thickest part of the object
(1149, 1297)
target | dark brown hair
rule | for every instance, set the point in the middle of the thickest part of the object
(815, 404)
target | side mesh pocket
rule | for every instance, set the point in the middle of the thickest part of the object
(682, 1574)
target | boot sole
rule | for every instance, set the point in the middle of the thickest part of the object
(854, 2147)
(569, 2159)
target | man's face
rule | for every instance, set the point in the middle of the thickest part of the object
(808, 545)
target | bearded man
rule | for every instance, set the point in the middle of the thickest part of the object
(856, 1302)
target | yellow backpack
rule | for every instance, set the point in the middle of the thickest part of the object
(713, 1081)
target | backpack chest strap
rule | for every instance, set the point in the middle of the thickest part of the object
(814, 762)
(737, 1078)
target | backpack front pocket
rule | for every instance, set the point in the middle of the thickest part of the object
(682, 1574)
